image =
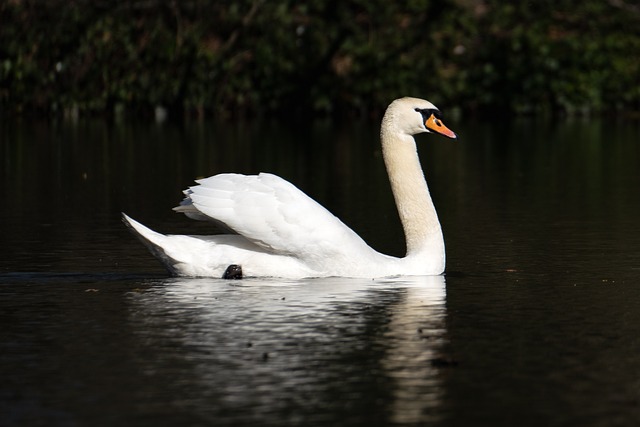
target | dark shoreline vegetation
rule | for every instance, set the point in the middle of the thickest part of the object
(345, 58)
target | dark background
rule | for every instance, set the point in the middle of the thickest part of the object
(254, 57)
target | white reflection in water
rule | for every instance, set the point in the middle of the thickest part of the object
(418, 332)
(320, 350)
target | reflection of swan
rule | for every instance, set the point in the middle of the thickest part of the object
(282, 232)
(243, 356)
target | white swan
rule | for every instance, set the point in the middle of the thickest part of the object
(280, 232)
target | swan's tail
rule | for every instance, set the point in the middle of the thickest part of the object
(148, 236)
(155, 242)
(181, 255)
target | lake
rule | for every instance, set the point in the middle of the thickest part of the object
(536, 321)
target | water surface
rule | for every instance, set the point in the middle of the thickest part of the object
(536, 322)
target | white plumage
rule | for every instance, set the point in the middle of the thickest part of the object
(281, 232)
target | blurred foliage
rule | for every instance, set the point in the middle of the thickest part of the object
(330, 56)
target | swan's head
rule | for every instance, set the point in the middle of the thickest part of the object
(413, 116)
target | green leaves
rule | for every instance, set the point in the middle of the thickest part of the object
(250, 56)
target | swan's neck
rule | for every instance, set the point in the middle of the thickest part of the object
(415, 207)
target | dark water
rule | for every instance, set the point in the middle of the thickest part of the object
(537, 321)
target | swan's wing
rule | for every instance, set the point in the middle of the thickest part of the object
(274, 214)
(187, 208)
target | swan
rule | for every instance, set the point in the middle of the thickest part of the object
(276, 230)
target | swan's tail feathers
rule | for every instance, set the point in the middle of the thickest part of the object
(155, 242)
(181, 255)
(146, 234)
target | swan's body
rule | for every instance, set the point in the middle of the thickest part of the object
(281, 232)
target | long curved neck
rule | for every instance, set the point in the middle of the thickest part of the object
(415, 207)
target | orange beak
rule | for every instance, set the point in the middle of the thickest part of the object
(435, 125)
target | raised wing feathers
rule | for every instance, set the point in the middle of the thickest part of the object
(276, 215)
